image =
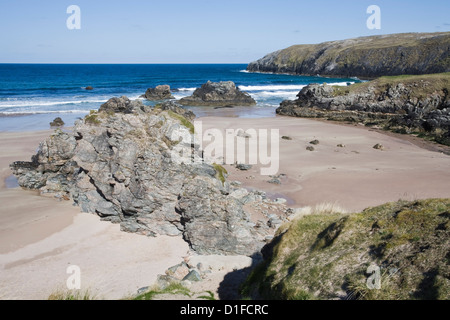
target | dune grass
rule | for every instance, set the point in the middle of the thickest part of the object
(326, 256)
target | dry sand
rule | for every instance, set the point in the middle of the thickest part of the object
(40, 237)
(354, 177)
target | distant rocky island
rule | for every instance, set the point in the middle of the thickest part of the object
(365, 57)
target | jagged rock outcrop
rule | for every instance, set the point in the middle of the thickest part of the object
(218, 94)
(133, 166)
(159, 93)
(404, 104)
(365, 57)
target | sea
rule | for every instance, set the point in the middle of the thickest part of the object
(32, 95)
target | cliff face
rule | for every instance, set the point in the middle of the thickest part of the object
(406, 104)
(366, 57)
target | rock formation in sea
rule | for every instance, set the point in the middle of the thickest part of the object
(217, 94)
(57, 122)
(159, 93)
(408, 104)
(366, 57)
(125, 163)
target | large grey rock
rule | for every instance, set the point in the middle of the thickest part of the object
(218, 94)
(126, 168)
(159, 93)
(215, 227)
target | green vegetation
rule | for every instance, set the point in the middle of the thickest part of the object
(326, 255)
(417, 90)
(373, 56)
(209, 296)
(185, 122)
(92, 118)
(72, 295)
(173, 288)
(220, 172)
(423, 84)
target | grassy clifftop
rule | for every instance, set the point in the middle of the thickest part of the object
(326, 255)
(424, 85)
(366, 57)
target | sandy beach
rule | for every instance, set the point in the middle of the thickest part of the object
(352, 177)
(40, 236)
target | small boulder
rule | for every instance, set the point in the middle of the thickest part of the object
(178, 272)
(243, 167)
(243, 134)
(193, 276)
(286, 138)
(58, 122)
(310, 148)
(280, 201)
(143, 290)
(275, 181)
(164, 281)
(378, 147)
(315, 142)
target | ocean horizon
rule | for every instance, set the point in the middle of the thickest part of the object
(32, 95)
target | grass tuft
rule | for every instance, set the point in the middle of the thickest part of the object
(173, 288)
(185, 122)
(61, 294)
(220, 172)
(326, 255)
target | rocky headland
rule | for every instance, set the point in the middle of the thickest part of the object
(403, 104)
(123, 163)
(218, 94)
(365, 57)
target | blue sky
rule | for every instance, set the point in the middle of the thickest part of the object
(195, 31)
